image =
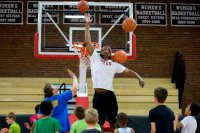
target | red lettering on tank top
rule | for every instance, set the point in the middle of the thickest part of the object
(106, 62)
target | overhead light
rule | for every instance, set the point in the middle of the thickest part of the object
(74, 16)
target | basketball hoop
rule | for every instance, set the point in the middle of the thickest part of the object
(82, 52)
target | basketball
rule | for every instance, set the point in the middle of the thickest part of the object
(4, 130)
(129, 25)
(120, 56)
(82, 6)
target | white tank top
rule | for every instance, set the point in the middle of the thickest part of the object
(124, 130)
(103, 71)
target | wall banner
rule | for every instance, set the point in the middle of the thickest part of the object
(185, 14)
(151, 14)
(11, 12)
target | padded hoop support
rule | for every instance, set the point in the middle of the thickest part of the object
(133, 57)
(36, 44)
(81, 50)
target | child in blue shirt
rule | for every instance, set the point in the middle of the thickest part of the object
(59, 101)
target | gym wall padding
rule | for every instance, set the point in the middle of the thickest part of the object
(20, 120)
(138, 123)
(156, 49)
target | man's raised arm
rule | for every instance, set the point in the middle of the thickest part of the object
(89, 46)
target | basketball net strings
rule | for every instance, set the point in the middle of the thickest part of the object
(83, 58)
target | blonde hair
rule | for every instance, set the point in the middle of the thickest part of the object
(91, 116)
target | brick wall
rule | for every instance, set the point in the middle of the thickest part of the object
(156, 48)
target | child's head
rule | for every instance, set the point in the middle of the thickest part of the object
(37, 107)
(122, 119)
(160, 94)
(91, 116)
(10, 118)
(50, 90)
(4, 130)
(80, 112)
(193, 109)
(46, 108)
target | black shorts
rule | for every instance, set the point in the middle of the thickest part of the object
(106, 105)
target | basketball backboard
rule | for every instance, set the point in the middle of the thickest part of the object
(60, 24)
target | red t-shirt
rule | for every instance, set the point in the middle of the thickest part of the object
(34, 118)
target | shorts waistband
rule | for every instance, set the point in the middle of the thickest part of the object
(99, 90)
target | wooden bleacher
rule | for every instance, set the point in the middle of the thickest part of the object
(20, 95)
(135, 100)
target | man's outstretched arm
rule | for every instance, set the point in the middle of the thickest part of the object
(135, 75)
(87, 34)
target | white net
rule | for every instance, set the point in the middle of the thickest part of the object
(83, 53)
(84, 60)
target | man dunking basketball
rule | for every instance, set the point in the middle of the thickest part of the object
(103, 70)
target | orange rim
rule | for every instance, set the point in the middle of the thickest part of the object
(83, 50)
(79, 45)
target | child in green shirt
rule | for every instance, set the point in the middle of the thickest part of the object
(14, 127)
(80, 124)
(47, 124)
